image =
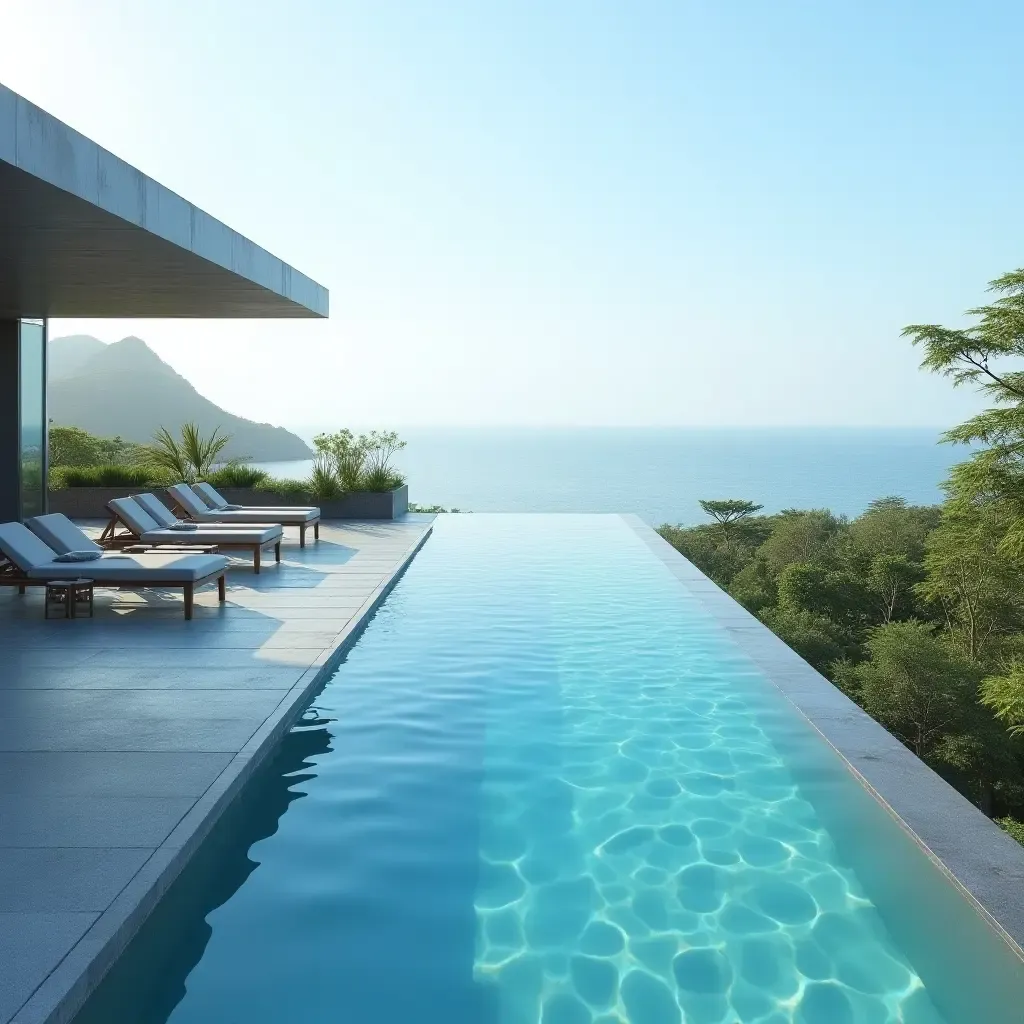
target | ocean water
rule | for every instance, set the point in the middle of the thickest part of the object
(660, 474)
(545, 787)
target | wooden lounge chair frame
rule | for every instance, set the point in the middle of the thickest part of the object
(114, 541)
(12, 576)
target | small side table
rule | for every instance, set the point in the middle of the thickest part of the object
(68, 596)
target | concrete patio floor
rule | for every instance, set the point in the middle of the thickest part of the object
(124, 737)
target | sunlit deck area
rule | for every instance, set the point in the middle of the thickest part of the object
(124, 736)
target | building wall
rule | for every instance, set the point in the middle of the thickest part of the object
(10, 414)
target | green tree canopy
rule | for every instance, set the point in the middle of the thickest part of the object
(983, 355)
(72, 446)
(974, 584)
(889, 526)
(917, 685)
(891, 579)
(835, 593)
(816, 638)
(801, 537)
(727, 511)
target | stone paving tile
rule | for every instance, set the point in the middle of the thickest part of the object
(253, 677)
(102, 773)
(66, 879)
(135, 706)
(95, 821)
(202, 657)
(217, 735)
(28, 941)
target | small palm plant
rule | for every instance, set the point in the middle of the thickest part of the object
(190, 457)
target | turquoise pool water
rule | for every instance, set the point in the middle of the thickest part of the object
(545, 787)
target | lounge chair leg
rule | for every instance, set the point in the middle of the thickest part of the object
(302, 536)
(316, 530)
(277, 552)
(256, 558)
(222, 590)
(189, 595)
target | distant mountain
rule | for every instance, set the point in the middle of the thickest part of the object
(127, 390)
(69, 354)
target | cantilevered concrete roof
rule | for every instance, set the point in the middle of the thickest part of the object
(84, 234)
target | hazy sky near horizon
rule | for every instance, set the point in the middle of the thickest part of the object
(571, 212)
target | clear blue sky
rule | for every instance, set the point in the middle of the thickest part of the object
(567, 211)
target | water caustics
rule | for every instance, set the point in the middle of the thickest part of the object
(550, 789)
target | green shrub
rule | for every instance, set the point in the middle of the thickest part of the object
(1013, 827)
(432, 509)
(324, 484)
(380, 479)
(112, 476)
(346, 453)
(361, 462)
(295, 490)
(238, 474)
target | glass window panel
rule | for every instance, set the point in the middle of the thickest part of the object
(33, 417)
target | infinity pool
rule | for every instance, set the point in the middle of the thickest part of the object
(546, 788)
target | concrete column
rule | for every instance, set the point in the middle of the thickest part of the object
(10, 414)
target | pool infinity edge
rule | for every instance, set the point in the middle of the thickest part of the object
(977, 856)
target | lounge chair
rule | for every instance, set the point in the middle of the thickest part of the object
(219, 503)
(147, 529)
(195, 507)
(32, 563)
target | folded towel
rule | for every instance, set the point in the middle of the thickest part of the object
(182, 525)
(78, 556)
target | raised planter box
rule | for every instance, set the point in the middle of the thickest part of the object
(87, 502)
(91, 502)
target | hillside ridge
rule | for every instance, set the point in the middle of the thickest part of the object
(124, 389)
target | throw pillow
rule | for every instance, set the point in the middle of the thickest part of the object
(78, 556)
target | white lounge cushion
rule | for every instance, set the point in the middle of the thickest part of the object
(56, 531)
(197, 508)
(151, 567)
(146, 529)
(189, 500)
(212, 496)
(23, 547)
(216, 501)
(261, 515)
(38, 562)
(133, 515)
(157, 509)
(214, 533)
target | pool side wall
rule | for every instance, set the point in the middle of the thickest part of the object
(981, 861)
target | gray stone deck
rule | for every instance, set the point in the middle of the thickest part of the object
(123, 737)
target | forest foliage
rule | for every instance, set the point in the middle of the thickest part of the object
(916, 613)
